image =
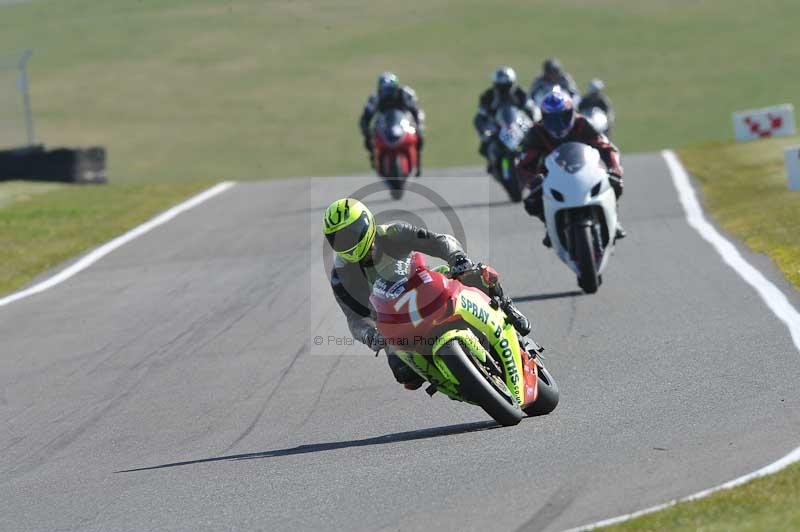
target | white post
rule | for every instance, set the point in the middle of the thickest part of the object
(791, 156)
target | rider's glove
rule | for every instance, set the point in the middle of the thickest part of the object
(461, 265)
(489, 276)
(373, 339)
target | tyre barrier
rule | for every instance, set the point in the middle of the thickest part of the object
(64, 165)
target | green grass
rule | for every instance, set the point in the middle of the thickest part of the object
(745, 189)
(247, 89)
(196, 91)
(12, 191)
(769, 503)
(39, 232)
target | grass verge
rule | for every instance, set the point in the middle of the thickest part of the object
(745, 190)
(768, 503)
(40, 232)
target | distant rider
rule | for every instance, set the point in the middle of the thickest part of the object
(367, 253)
(553, 74)
(504, 90)
(390, 95)
(595, 97)
(561, 124)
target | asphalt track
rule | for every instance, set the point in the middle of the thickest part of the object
(176, 385)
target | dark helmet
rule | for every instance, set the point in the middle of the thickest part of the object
(558, 113)
(503, 79)
(552, 67)
(595, 86)
(388, 84)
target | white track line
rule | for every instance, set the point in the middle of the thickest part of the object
(772, 296)
(108, 247)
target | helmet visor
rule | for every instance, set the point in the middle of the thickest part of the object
(351, 235)
(504, 88)
(387, 91)
(559, 123)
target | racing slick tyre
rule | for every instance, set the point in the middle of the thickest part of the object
(512, 184)
(480, 387)
(584, 255)
(547, 400)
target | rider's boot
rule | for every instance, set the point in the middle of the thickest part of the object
(546, 241)
(404, 374)
(516, 318)
(621, 232)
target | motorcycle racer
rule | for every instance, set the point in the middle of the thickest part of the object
(595, 97)
(368, 254)
(504, 89)
(553, 75)
(561, 124)
(391, 95)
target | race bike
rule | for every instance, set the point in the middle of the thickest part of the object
(511, 125)
(580, 210)
(457, 339)
(395, 141)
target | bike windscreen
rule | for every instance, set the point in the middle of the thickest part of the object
(349, 236)
(507, 115)
(390, 124)
(571, 157)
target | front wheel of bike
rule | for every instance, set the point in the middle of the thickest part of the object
(547, 400)
(479, 387)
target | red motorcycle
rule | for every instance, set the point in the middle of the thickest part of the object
(395, 141)
(457, 338)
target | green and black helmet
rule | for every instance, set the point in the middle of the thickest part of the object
(349, 228)
(388, 85)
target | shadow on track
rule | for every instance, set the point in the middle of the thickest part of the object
(553, 295)
(422, 434)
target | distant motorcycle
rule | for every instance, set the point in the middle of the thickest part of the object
(460, 341)
(511, 125)
(598, 118)
(395, 140)
(580, 209)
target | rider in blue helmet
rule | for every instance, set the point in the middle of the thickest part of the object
(560, 124)
(558, 113)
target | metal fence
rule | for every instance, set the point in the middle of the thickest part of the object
(16, 119)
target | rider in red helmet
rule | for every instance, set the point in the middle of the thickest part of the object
(561, 124)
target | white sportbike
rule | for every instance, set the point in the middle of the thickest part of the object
(580, 209)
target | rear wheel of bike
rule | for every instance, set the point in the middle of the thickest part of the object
(548, 396)
(584, 255)
(479, 387)
(397, 179)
